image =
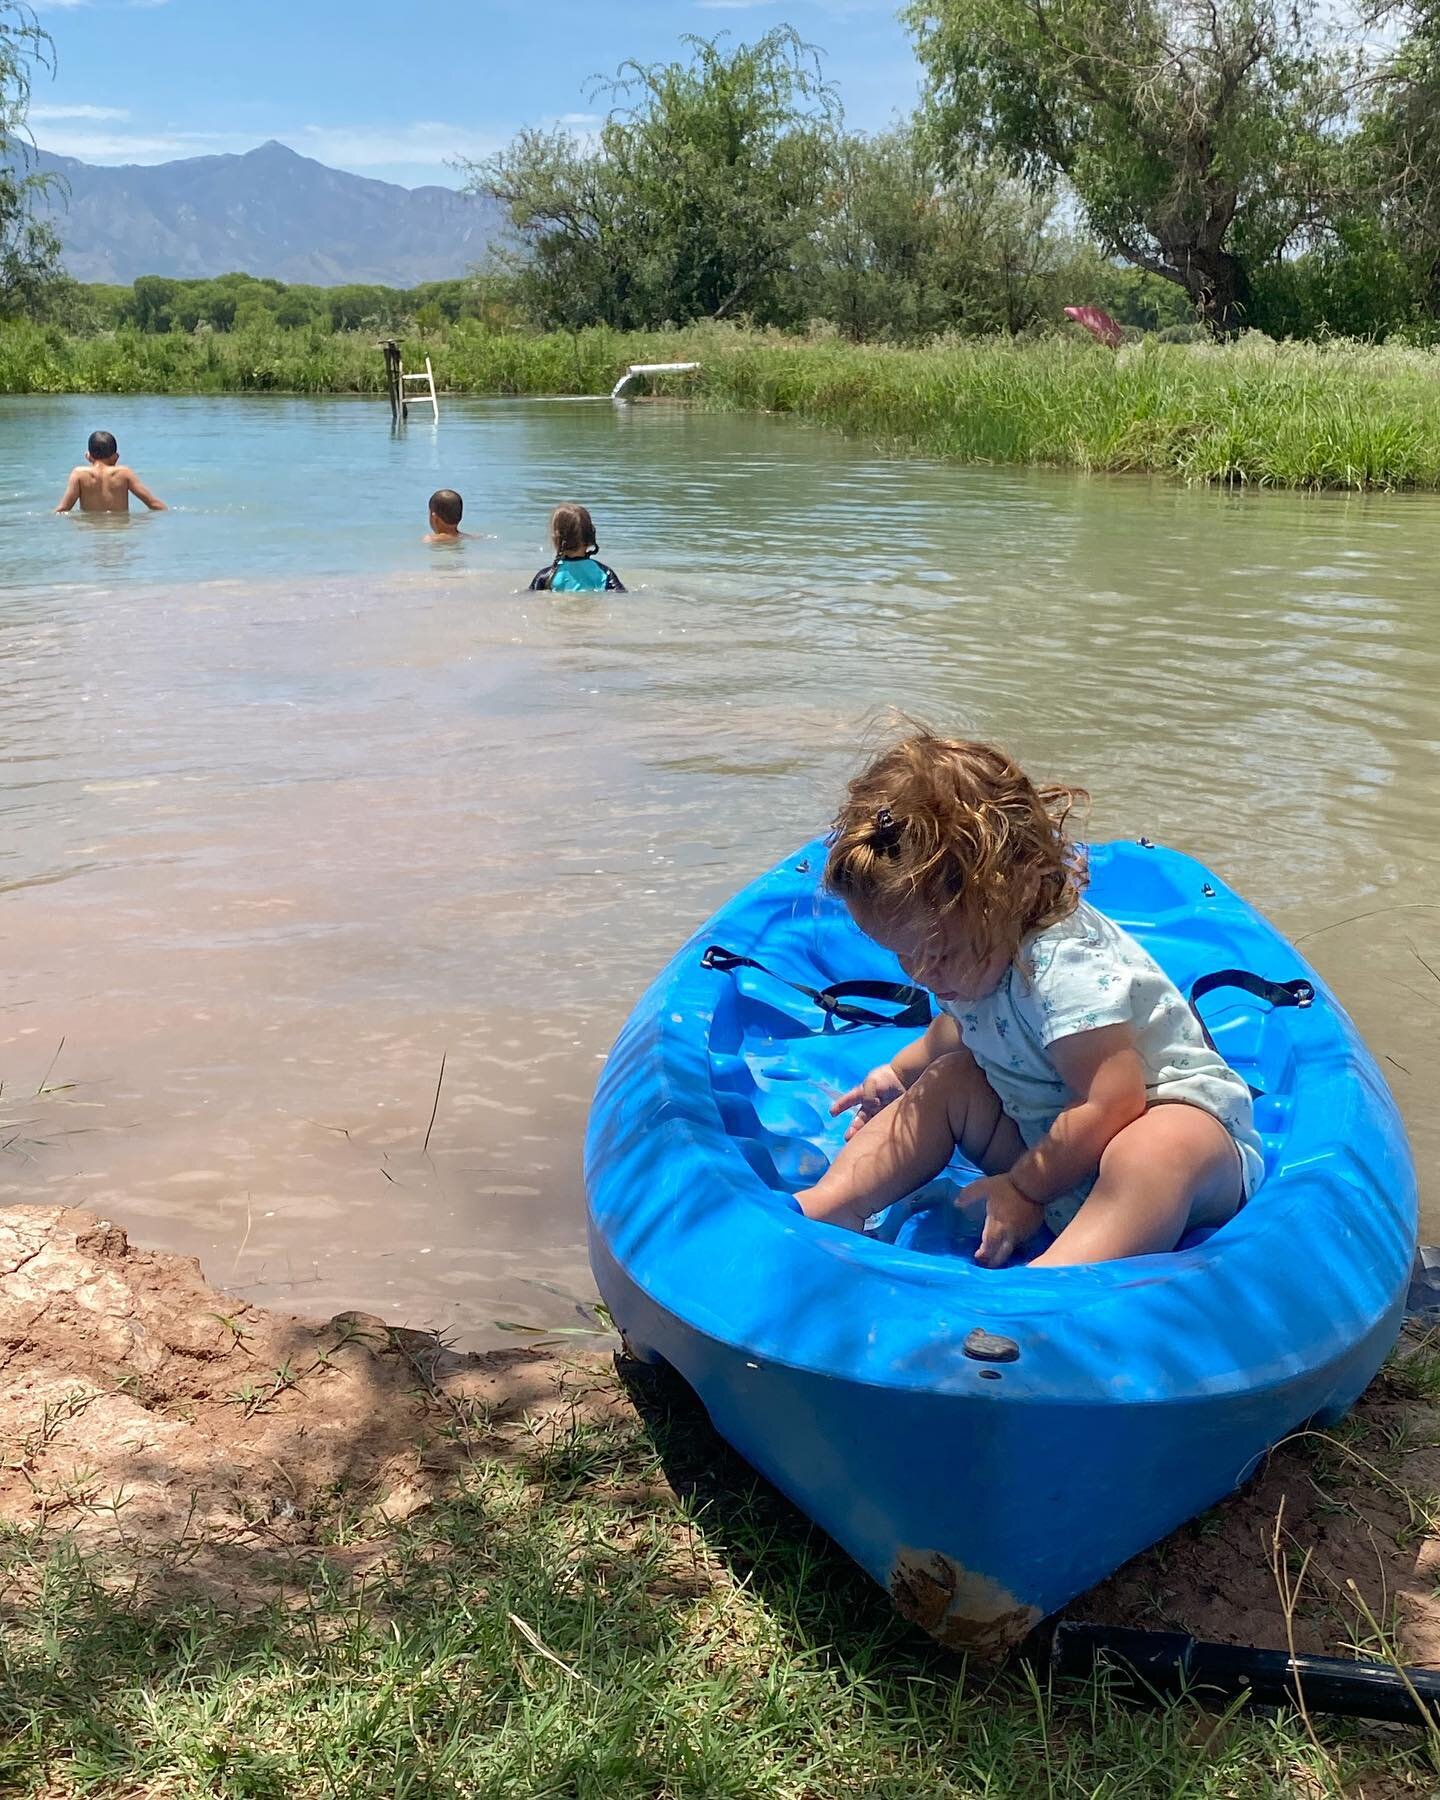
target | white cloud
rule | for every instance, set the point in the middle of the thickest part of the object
(126, 146)
(44, 115)
(422, 143)
(419, 149)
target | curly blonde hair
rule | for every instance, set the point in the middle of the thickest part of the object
(955, 833)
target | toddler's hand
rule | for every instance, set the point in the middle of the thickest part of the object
(1010, 1218)
(873, 1095)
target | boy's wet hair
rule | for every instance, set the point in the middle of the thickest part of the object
(956, 835)
(572, 531)
(447, 506)
(102, 444)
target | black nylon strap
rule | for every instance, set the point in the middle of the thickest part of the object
(1274, 993)
(838, 1000)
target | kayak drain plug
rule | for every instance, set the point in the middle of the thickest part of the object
(990, 1347)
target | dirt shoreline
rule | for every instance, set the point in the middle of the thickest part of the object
(213, 1445)
(144, 1411)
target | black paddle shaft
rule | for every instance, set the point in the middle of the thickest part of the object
(1166, 1665)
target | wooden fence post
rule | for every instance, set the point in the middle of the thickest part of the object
(392, 378)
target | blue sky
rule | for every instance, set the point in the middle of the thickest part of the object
(148, 80)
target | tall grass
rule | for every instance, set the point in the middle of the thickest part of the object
(1338, 415)
(467, 359)
(563, 1628)
(1298, 415)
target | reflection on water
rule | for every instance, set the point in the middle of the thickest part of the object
(294, 807)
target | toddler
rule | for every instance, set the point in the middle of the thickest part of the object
(1063, 1063)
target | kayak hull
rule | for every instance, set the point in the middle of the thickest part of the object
(985, 1495)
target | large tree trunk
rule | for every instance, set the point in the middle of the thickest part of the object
(1432, 290)
(1217, 283)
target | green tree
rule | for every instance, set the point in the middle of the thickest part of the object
(581, 263)
(216, 304)
(1196, 134)
(360, 305)
(905, 252)
(298, 306)
(698, 199)
(29, 248)
(155, 299)
(875, 270)
(1398, 146)
(1354, 281)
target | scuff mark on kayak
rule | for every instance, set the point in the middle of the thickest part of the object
(959, 1608)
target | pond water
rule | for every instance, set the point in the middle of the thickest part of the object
(294, 806)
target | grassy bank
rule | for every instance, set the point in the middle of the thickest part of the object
(1293, 415)
(254, 1556)
(564, 1626)
(467, 358)
(602, 1608)
(1341, 415)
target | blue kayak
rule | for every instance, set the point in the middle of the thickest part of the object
(987, 1443)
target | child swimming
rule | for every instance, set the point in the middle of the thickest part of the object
(102, 483)
(575, 569)
(447, 509)
(1064, 1063)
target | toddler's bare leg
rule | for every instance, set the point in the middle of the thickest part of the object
(911, 1141)
(1152, 1175)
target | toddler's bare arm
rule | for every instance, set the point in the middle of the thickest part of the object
(1103, 1070)
(941, 1037)
(889, 1081)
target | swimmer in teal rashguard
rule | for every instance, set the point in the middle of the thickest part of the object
(575, 569)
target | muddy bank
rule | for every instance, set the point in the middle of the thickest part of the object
(144, 1411)
(210, 1444)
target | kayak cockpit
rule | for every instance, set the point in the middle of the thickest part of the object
(777, 1060)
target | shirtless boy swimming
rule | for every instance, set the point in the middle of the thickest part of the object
(446, 511)
(103, 484)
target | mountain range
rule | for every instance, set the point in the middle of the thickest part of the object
(269, 212)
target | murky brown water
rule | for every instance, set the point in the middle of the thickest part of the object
(274, 844)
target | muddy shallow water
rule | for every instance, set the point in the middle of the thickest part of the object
(293, 806)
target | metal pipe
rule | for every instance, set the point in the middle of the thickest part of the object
(637, 369)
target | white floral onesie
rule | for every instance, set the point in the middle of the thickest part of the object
(1076, 976)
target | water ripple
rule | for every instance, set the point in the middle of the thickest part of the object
(291, 812)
